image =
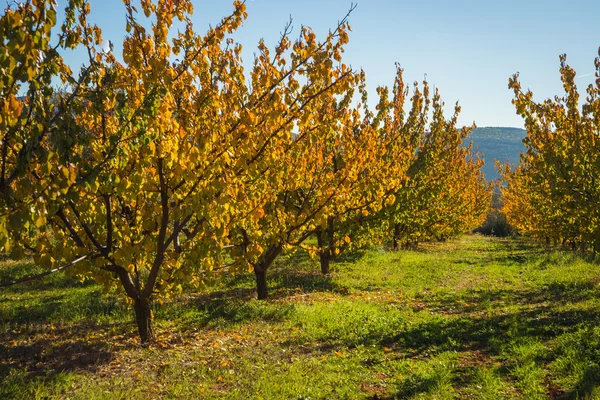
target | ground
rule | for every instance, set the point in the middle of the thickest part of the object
(474, 317)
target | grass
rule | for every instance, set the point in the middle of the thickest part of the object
(474, 317)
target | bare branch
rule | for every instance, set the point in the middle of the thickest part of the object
(43, 274)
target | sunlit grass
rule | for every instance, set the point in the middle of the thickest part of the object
(469, 318)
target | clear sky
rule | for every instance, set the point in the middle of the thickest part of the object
(467, 48)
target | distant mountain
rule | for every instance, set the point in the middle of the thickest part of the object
(498, 143)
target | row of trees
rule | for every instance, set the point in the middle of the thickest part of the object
(174, 164)
(553, 193)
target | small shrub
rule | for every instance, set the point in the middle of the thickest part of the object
(496, 225)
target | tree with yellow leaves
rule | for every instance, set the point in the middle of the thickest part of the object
(445, 192)
(387, 140)
(35, 117)
(553, 193)
(139, 191)
(172, 162)
(290, 187)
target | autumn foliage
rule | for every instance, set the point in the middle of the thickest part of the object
(171, 164)
(553, 193)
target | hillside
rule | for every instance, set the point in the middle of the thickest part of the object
(498, 143)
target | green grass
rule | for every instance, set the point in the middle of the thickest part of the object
(474, 317)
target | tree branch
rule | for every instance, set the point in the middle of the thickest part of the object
(60, 214)
(43, 274)
(162, 233)
(86, 228)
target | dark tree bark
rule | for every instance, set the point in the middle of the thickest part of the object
(141, 303)
(324, 258)
(324, 254)
(260, 270)
(397, 233)
(143, 318)
(261, 283)
(326, 243)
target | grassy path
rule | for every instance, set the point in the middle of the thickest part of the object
(473, 318)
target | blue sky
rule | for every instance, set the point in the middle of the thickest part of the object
(467, 48)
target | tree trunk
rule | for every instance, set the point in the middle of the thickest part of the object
(324, 255)
(260, 270)
(261, 283)
(143, 318)
(397, 233)
(324, 258)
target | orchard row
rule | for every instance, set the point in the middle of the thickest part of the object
(173, 164)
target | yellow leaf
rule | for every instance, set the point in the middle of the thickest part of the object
(390, 200)
(40, 221)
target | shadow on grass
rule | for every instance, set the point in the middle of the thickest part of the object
(44, 356)
(288, 276)
(422, 383)
(489, 332)
(489, 336)
(471, 329)
(219, 310)
(354, 256)
(511, 259)
(586, 386)
(512, 251)
(555, 293)
(60, 308)
(282, 282)
(521, 243)
(234, 305)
